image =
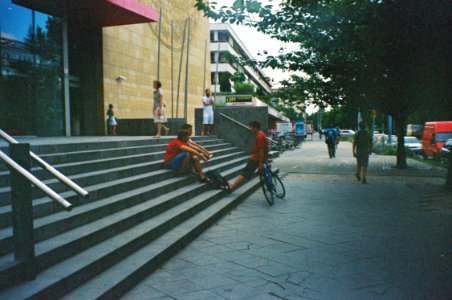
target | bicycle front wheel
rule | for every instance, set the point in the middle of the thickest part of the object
(278, 187)
(267, 189)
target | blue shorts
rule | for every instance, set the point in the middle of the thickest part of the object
(176, 162)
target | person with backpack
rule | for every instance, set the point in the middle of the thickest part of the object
(362, 148)
(330, 139)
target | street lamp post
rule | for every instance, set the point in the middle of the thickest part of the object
(359, 118)
(389, 129)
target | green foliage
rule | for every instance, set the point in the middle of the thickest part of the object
(339, 116)
(243, 88)
(386, 54)
(238, 77)
(225, 84)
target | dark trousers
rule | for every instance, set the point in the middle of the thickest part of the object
(331, 149)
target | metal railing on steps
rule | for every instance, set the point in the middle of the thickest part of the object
(243, 125)
(19, 163)
(48, 167)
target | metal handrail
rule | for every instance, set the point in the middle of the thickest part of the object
(35, 181)
(48, 167)
(243, 125)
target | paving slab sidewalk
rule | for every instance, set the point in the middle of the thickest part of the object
(330, 238)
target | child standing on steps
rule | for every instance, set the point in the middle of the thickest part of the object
(111, 121)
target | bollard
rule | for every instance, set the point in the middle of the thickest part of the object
(22, 211)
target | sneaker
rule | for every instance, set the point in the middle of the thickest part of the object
(364, 180)
(358, 177)
(226, 188)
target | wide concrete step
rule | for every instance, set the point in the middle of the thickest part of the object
(123, 276)
(92, 177)
(71, 168)
(157, 182)
(63, 277)
(43, 146)
(137, 206)
(92, 154)
(44, 206)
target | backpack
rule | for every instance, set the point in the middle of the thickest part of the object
(216, 179)
(329, 136)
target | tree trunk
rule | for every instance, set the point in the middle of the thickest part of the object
(400, 131)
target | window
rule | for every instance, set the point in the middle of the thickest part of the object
(212, 57)
(212, 36)
(16, 22)
(223, 36)
(31, 100)
(224, 57)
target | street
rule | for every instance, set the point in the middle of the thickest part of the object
(330, 238)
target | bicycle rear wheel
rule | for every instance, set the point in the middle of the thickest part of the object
(278, 187)
(267, 189)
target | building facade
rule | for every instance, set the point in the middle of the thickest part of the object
(224, 42)
(63, 62)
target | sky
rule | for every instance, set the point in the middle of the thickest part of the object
(256, 42)
(12, 24)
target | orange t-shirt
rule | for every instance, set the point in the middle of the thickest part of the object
(173, 149)
(261, 143)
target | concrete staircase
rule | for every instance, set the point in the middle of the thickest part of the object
(136, 216)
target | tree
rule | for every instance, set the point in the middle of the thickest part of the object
(391, 55)
(225, 83)
(238, 77)
(243, 88)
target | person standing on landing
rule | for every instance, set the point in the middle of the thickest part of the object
(258, 156)
(362, 148)
(159, 109)
(207, 113)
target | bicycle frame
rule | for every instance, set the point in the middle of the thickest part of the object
(268, 175)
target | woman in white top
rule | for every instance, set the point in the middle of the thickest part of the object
(207, 114)
(159, 109)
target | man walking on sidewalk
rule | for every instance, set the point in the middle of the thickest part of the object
(362, 147)
(330, 139)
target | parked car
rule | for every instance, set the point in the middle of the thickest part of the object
(434, 137)
(413, 144)
(346, 133)
(383, 139)
(445, 151)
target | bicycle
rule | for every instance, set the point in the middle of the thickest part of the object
(271, 184)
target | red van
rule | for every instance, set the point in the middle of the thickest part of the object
(434, 136)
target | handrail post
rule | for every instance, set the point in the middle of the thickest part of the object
(22, 211)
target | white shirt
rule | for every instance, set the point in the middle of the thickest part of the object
(209, 108)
